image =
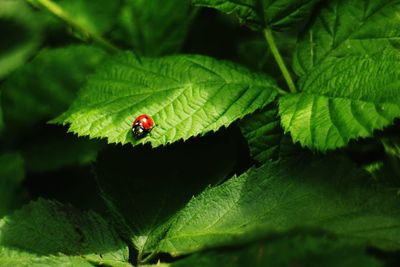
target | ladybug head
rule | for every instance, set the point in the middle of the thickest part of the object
(138, 131)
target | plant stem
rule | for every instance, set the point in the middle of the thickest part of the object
(278, 58)
(57, 11)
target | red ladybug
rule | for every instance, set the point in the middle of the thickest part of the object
(142, 125)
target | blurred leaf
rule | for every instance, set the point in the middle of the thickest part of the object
(287, 251)
(44, 228)
(265, 136)
(49, 153)
(349, 67)
(20, 28)
(255, 54)
(1, 118)
(185, 95)
(12, 173)
(95, 16)
(156, 27)
(259, 14)
(392, 146)
(46, 86)
(326, 195)
(143, 187)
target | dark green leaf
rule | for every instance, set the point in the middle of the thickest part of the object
(350, 67)
(156, 27)
(46, 86)
(98, 16)
(326, 195)
(52, 152)
(12, 257)
(265, 136)
(20, 28)
(185, 95)
(143, 187)
(12, 173)
(1, 118)
(259, 14)
(287, 251)
(45, 228)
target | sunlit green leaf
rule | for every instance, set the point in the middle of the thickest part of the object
(350, 67)
(185, 95)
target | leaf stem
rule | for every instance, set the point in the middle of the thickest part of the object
(275, 52)
(57, 11)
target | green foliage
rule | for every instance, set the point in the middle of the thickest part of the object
(185, 95)
(15, 49)
(314, 251)
(45, 228)
(1, 119)
(10, 257)
(12, 173)
(327, 195)
(276, 145)
(96, 16)
(136, 204)
(47, 85)
(265, 137)
(349, 75)
(259, 14)
(44, 154)
(140, 18)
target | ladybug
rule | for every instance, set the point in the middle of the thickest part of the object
(142, 125)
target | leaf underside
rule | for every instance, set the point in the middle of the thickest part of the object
(185, 95)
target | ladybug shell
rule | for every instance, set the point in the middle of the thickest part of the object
(144, 121)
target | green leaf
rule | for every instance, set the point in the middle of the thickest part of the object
(265, 136)
(137, 205)
(55, 151)
(156, 27)
(259, 14)
(12, 173)
(185, 95)
(325, 195)
(349, 66)
(46, 86)
(12, 257)
(44, 228)
(96, 16)
(1, 118)
(21, 31)
(298, 250)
